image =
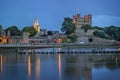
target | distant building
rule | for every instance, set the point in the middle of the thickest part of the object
(79, 21)
(25, 37)
(36, 25)
(2, 32)
(43, 32)
(5, 39)
(44, 37)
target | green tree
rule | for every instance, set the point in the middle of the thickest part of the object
(64, 40)
(117, 34)
(14, 31)
(113, 31)
(86, 27)
(29, 29)
(90, 40)
(72, 37)
(98, 28)
(49, 33)
(101, 34)
(68, 27)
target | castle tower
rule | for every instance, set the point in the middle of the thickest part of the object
(36, 25)
(80, 21)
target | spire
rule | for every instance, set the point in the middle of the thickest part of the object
(36, 21)
(36, 25)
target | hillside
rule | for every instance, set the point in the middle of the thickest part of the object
(83, 38)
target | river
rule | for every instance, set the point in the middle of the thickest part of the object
(59, 66)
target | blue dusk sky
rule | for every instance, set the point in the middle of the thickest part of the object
(51, 13)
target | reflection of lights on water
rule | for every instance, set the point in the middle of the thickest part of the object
(29, 67)
(59, 65)
(37, 69)
(119, 49)
(1, 63)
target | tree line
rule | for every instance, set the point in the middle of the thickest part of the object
(14, 31)
(109, 32)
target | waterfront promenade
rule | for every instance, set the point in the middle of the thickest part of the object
(59, 48)
(55, 45)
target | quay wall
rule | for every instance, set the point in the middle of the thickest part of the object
(48, 45)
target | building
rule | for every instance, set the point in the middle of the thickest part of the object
(36, 25)
(2, 32)
(25, 37)
(79, 21)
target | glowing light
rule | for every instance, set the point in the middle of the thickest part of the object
(1, 63)
(59, 65)
(119, 49)
(37, 69)
(29, 67)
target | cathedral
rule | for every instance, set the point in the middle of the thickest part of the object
(36, 25)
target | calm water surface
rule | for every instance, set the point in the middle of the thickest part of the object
(59, 66)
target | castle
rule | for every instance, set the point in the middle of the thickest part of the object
(79, 21)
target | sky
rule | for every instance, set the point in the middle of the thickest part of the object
(51, 13)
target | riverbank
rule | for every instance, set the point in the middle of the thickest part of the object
(54, 45)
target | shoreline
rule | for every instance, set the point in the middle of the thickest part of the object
(54, 45)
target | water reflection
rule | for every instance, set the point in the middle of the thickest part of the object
(78, 68)
(37, 67)
(111, 63)
(59, 66)
(1, 63)
(29, 67)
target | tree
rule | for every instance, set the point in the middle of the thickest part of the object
(90, 40)
(14, 31)
(86, 27)
(118, 34)
(72, 37)
(68, 27)
(29, 29)
(64, 40)
(101, 34)
(49, 33)
(111, 31)
(98, 28)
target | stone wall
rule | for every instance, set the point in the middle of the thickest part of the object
(83, 38)
(81, 32)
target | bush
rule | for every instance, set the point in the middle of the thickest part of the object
(73, 38)
(64, 40)
(101, 34)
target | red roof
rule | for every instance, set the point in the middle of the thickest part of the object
(86, 16)
(75, 16)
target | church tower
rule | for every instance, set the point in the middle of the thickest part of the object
(36, 25)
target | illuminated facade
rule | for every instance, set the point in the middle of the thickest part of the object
(36, 25)
(79, 21)
(59, 40)
(5, 40)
